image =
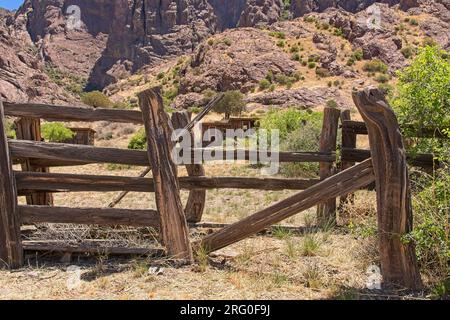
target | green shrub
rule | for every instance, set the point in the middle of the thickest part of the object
(138, 141)
(408, 51)
(269, 76)
(351, 61)
(232, 104)
(287, 121)
(286, 80)
(338, 32)
(96, 99)
(429, 42)
(305, 138)
(295, 57)
(375, 65)
(386, 88)
(431, 206)
(227, 42)
(322, 72)
(423, 98)
(195, 110)
(294, 48)
(311, 65)
(160, 76)
(309, 19)
(209, 93)
(358, 54)
(124, 105)
(332, 104)
(56, 132)
(264, 84)
(299, 131)
(10, 129)
(281, 43)
(278, 34)
(169, 95)
(382, 78)
(313, 58)
(413, 22)
(72, 83)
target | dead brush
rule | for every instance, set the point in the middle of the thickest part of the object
(313, 276)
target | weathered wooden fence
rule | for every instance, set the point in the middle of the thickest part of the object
(397, 260)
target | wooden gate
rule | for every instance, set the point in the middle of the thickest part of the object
(397, 259)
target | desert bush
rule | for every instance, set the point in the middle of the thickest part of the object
(431, 205)
(227, 42)
(423, 98)
(375, 65)
(382, 78)
(281, 43)
(322, 72)
(285, 121)
(311, 65)
(331, 103)
(295, 48)
(413, 22)
(339, 32)
(305, 138)
(429, 42)
(195, 110)
(310, 19)
(232, 104)
(56, 132)
(278, 34)
(138, 141)
(299, 131)
(386, 88)
(358, 54)
(72, 83)
(10, 129)
(264, 84)
(96, 99)
(408, 51)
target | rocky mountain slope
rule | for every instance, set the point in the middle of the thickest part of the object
(123, 45)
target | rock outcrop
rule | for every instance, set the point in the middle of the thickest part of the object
(302, 7)
(235, 60)
(21, 70)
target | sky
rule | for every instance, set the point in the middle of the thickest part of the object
(10, 4)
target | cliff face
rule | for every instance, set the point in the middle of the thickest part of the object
(118, 37)
(21, 69)
(113, 39)
(302, 7)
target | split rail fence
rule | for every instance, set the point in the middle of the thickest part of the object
(171, 218)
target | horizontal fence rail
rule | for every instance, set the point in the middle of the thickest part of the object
(66, 113)
(89, 216)
(417, 160)
(81, 154)
(52, 182)
(94, 249)
(358, 127)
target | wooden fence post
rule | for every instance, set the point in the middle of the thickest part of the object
(30, 129)
(326, 212)
(174, 230)
(348, 141)
(395, 219)
(11, 253)
(197, 198)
